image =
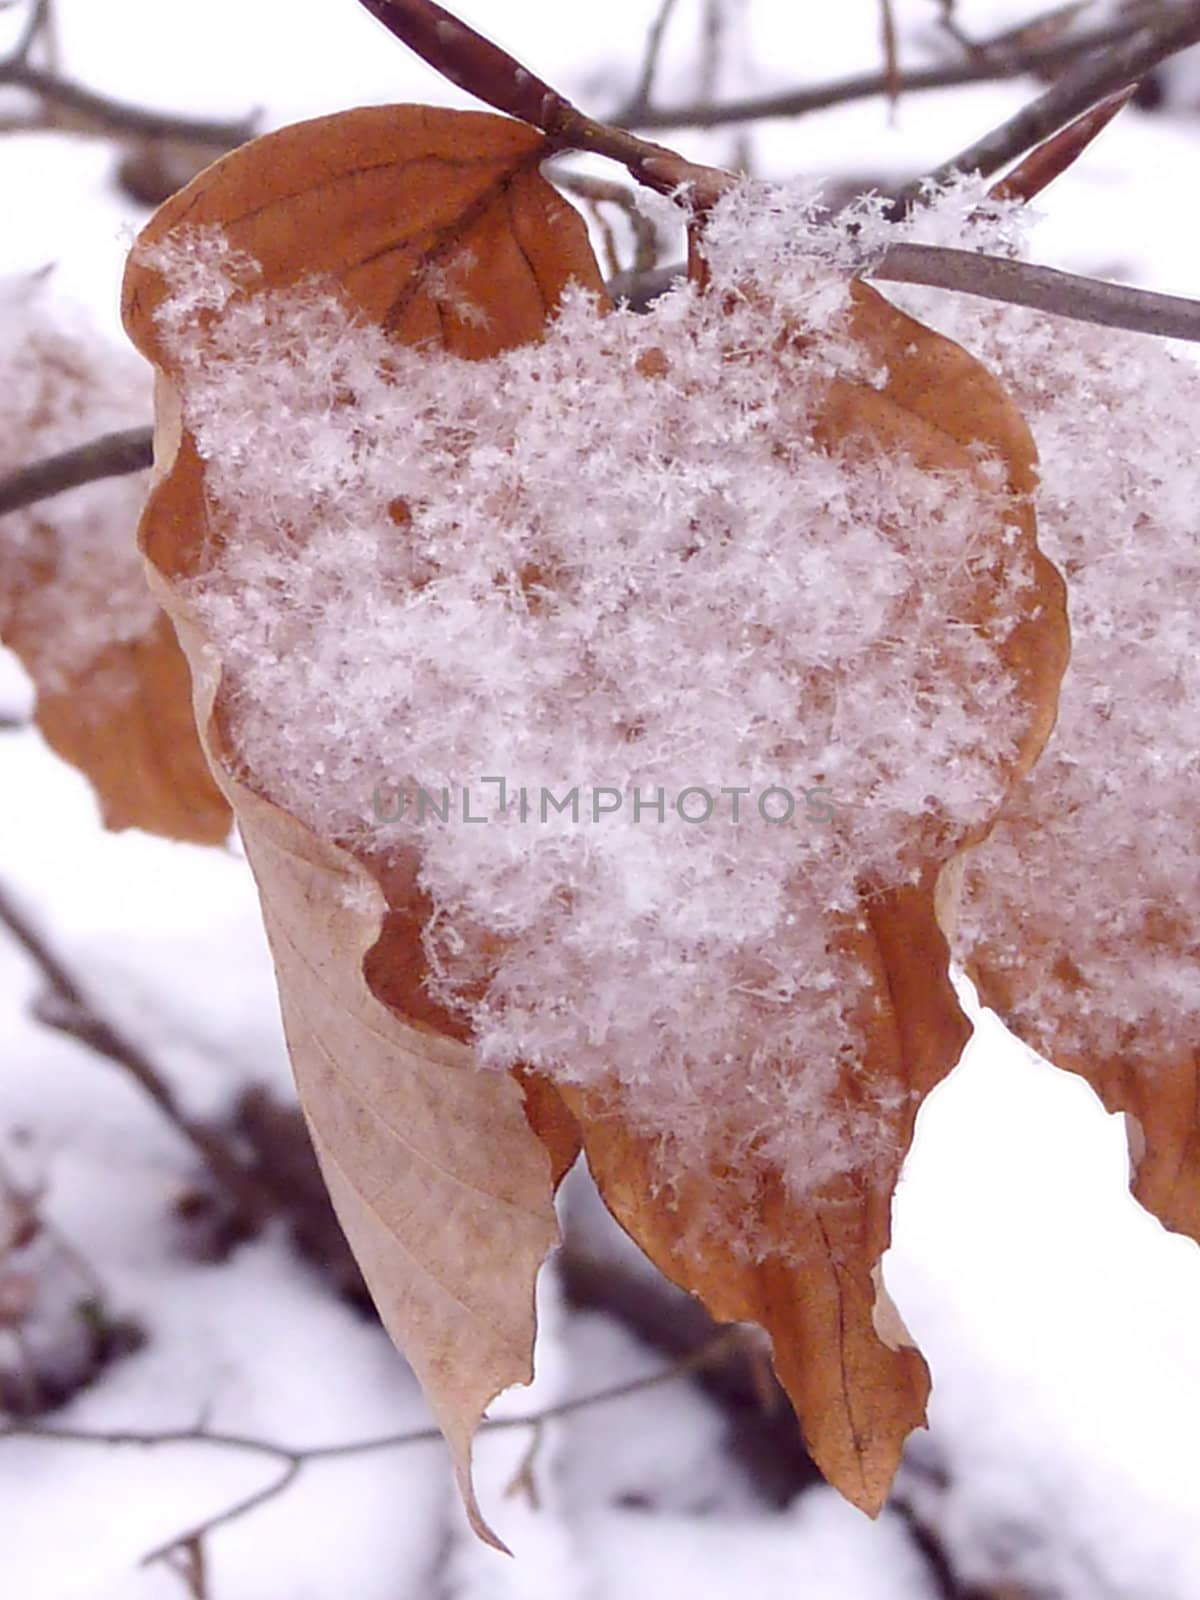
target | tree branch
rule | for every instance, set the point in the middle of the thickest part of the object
(1098, 75)
(1064, 294)
(644, 89)
(72, 1012)
(117, 116)
(112, 455)
(985, 66)
(483, 69)
(36, 20)
(294, 1458)
(17, 71)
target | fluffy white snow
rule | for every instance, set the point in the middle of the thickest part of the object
(1061, 1323)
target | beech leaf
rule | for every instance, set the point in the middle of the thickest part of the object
(602, 989)
(1080, 914)
(113, 697)
(815, 1284)
(444, 1189)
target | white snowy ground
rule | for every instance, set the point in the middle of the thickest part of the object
(1062, 1325)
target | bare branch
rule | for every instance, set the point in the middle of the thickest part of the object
(601, 191)
(73, 1012)
(984, 66)
(639, 100)
(480, 67)
(889, 43)
(112, 455)
(17, 71)
(117, 116)
(191, 1539)
(294, 1458)
(1064, 294)
(35, 25)
(1096, 76)
(949, 24)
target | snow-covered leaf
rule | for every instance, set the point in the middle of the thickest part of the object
(1080, 920)
(438, 1177)
(812, 1283)
(774, 532)
(113, 697)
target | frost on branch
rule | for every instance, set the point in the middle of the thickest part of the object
(765, 555)
(112, 685)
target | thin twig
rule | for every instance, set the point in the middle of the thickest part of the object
(112, 455)
(35, 24)
(952, 28)
(75, 1014)
(980, 68)
(117, 116)
(602, 191)
(194, 1536)
(475, 64)
(639, 100)
(889, 43)
(1098, 75)
(1021, 283)
(295, 1458)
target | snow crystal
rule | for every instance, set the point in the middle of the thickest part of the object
(650, 682)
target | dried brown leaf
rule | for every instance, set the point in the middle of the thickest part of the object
(815, 1287)
(1152, 1081)
(1078, 919)
(814, 1290)
(442, 1175)
(112, 685)
(382, 201)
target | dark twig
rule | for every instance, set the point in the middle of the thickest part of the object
(117, 116)
(891, 52)
(35, 24)
(602, 191)
(952, 28)
(193, 1538)
(1097, 75)
(72, 1012)
(640, 99)
(17, 71)
(294, 1458)
(985, 66)
(112, 455)
(1021, 283)
(482, 68)
(1064, 294)
(187, 1561)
